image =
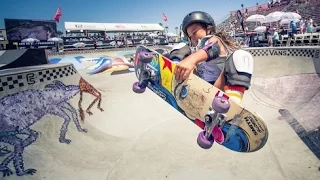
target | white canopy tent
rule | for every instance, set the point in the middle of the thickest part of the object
(287, 21)
(291, 15)
(277, 16)
(260, 29)
(274, 16)
(256, 18)
(112, 27)
(170, 34)
(83, 26)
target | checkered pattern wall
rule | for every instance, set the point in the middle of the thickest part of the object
(40, 76)
(313, 53)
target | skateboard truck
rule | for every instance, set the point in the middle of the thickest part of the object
(214, 119)
(145, 72)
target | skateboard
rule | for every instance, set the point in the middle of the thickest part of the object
(221, 119)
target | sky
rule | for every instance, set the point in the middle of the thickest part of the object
(118, 11)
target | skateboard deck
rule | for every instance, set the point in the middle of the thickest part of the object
(223, 120)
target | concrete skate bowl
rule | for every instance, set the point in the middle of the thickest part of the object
(129, 136)
(22, 58)
(98, 61)
(288, 79)
(93, 61)
(41, 127)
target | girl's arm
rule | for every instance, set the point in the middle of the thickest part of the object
(208, 52)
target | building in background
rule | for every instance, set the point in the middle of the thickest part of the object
(87, 35)
(3, 39)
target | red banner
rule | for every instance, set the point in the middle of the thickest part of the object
(164, 17)
(58, 15)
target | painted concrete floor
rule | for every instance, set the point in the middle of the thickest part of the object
(140, 137)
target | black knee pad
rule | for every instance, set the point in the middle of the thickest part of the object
(163, 52)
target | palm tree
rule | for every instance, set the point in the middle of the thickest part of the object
(160, 24)
(166, 28)
(176, 30)
(242, 6)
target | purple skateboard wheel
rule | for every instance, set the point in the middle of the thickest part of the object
(203, 142)
(137, 88)
(145, 57)
(221, 104)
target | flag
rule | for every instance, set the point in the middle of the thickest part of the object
(58, 15)
(164, 17)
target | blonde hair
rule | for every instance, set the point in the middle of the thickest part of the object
(226, 38)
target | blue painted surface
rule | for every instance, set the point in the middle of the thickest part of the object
(105, 63)
(75, 60)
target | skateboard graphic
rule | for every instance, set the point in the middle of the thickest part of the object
(222, 119)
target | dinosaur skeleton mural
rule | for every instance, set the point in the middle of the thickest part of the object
(17, 117)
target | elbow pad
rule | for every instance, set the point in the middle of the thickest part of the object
(212, 50)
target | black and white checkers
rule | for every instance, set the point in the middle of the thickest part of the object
(51, 74)
(11, 82)
(294, 52)
(20, 80)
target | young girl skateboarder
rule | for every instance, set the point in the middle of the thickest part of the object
(216, 59)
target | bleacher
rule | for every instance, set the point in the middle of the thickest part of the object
(307, 11)
(278, 7)
(307, 39)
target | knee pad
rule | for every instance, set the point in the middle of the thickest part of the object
(164, 52)
(239, 69)
(178, 46)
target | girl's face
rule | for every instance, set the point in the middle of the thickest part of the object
(196, 32)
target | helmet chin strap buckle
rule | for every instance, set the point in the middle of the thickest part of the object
(198, 44)
(193, 48)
